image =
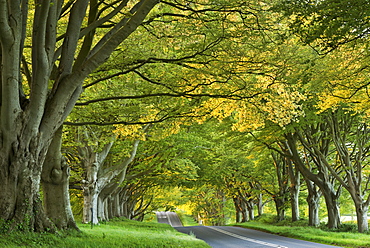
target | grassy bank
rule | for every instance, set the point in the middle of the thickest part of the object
(122, 233)
(346, 236)
(187, 220)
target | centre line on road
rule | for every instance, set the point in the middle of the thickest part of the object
(245, 238)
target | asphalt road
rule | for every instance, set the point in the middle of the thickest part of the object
(169, 218)
(235, 237)
(238, 237)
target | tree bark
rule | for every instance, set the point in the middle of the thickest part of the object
(238, 210)
(280, 195)
(246, 205)
(280, 207)
(55, 184)
(313, 200)
(20, 174)
(294, 202)
(260, 204)
(242, 210)
(294, 188)
(331, 200)
(250, 207)
(362, 218)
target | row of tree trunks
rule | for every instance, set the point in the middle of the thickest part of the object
(244, 209)
(280, 195)
(101, 181)
(323, 179)
(351, 138)
(245, 203)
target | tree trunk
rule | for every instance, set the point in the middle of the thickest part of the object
(313, 213)
(260, 204)
(280, 197)
(238, 212)
(90, 209)
(240, 215)
(101, 211)
(245, 214)
(280, 207)
(28, 125)
(21, 207)
(98, 180)
(123, 197)
(362, 222)
(348, 129)
(247, 203)
(92, 184)
(294, 187)
(323, 179)
(313, 200)
(294, 201)
(55, 182)
(362, 207)
(20, 174)
(250, 208)
(331, 201)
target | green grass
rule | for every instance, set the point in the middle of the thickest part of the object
(187, 220)
(122, 233)
(301, 230)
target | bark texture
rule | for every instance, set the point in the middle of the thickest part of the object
(55, 185)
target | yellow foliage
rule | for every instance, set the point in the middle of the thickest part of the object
(131, 131)
(345, 80)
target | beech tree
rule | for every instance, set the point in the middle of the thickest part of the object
(61, 38)
(316, 135)
(350, 137)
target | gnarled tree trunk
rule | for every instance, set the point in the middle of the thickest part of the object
(313, 200)
(55, 185)
(20, 174)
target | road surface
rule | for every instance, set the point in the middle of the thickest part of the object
(235, 237)
(238, 237)
(170, 218)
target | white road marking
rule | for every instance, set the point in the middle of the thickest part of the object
(245, 238)
(169, 219)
